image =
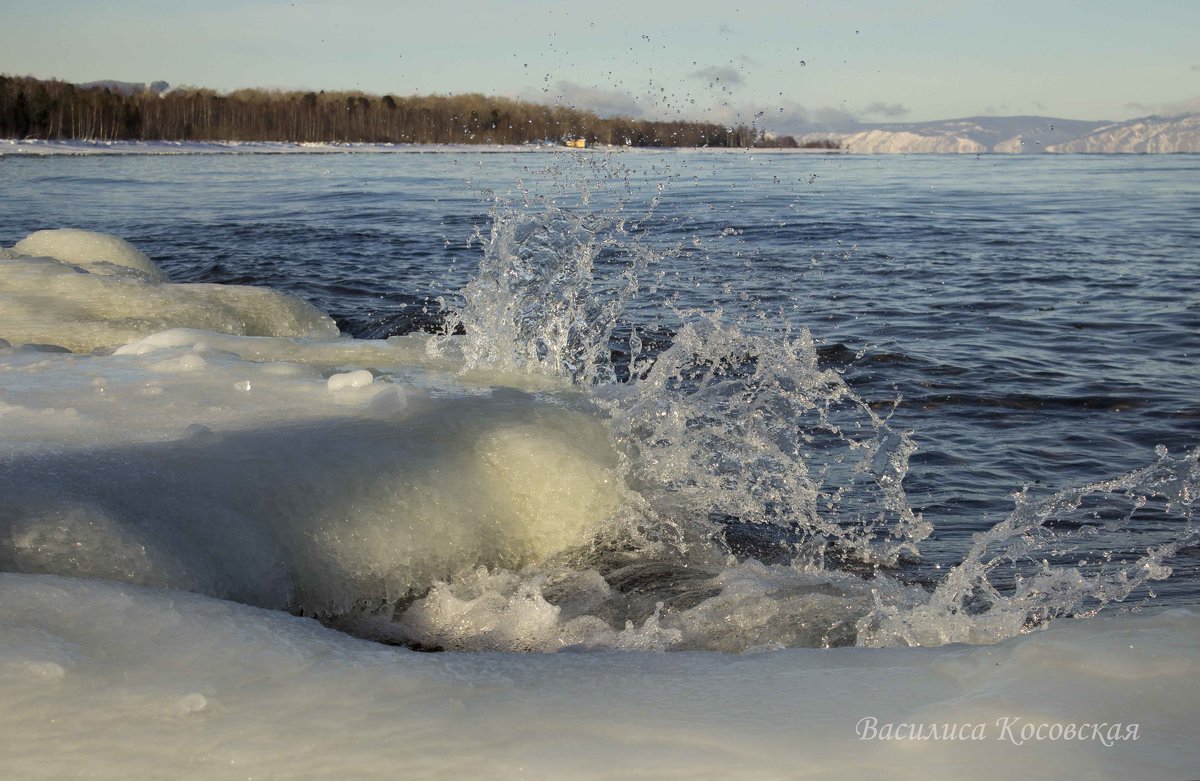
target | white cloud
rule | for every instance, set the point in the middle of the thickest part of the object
(788, 118)
(1175, 109)
(889, 110)
(604, 102)
(722, 73)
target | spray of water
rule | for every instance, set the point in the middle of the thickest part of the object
(535, 306)
(1055, 558)
(765, 503)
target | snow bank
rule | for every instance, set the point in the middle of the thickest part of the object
(277, 470)
(115, 681)
(40, 148)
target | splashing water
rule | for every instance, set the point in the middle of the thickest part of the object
(1016, 575)
(764, 501)
(537, 304)
(532, 308)
(749, 429)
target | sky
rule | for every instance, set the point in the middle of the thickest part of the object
(788, 66)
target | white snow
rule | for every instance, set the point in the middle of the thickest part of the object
(264, 469)
(265, 482)
(112, 681)
(1152, 135)
(903, 142)
(1022, 135)
(355, 379)
(1010, 146)
(38, 147)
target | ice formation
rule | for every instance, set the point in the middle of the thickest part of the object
(118, 681)
(84, 291)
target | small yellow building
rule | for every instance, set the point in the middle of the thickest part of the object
(576, 143)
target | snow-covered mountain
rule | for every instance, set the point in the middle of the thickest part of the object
(1023, 135)
(886, 141)
(970, 135)
(1145, 135)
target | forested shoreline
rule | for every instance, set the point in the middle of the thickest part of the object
(57, 110)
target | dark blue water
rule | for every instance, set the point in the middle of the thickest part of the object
(1037, 319)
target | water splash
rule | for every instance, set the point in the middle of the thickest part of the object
(1014, 580)
(749, 429)
(765, 501)
(535, 305)
(553, 283)
(1061, 556)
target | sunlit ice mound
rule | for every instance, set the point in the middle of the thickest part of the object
(274, 471)
(84, 291)
(503, 490)
(273, 484)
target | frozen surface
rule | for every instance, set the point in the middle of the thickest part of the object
(280, 484)
(88, 250)
(269, 470)
(118, 681)
(85, 291)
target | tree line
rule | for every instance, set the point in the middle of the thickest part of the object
(57, 110)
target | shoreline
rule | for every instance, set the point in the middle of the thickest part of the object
(77, 148)
(40, 148)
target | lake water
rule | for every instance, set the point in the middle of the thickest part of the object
(1037, 318)
(784, 400)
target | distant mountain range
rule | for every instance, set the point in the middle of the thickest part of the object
(1024, 135)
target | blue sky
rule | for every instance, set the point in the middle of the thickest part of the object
(797, 63)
